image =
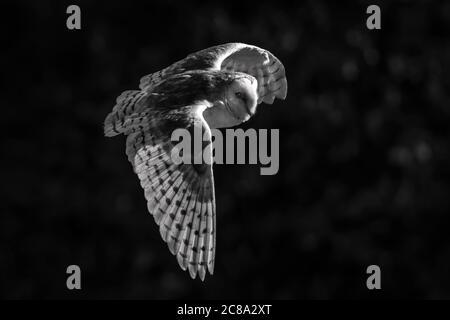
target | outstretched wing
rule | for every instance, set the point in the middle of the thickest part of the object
(179, 196)
(240, 57)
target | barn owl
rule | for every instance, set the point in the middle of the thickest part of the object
(217, 87)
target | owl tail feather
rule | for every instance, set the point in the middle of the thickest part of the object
(127, 105)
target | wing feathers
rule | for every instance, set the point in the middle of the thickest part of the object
(151, 79)
(182, 254)
(210, 237)
(127, 103)
(239, 57)
(174, 209)
(179, 196)
(181, 220)
(201, 261)
(193, 237)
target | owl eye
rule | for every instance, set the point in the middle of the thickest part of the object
(239, 94)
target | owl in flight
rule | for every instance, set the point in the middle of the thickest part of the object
(217, 87)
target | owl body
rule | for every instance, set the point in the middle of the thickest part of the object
(213, 88)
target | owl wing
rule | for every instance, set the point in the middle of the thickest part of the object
(179, 196)
(238, 57)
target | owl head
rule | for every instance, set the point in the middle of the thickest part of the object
(235, 101)
(241, 97)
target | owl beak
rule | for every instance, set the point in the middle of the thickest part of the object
(251, 104)
(230, 110)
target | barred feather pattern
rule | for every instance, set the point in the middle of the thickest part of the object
(179, 196)
(153, 79)
(127, 104)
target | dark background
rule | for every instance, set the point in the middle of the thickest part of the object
(364, 152)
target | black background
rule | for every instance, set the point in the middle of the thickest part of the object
(364, 152)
